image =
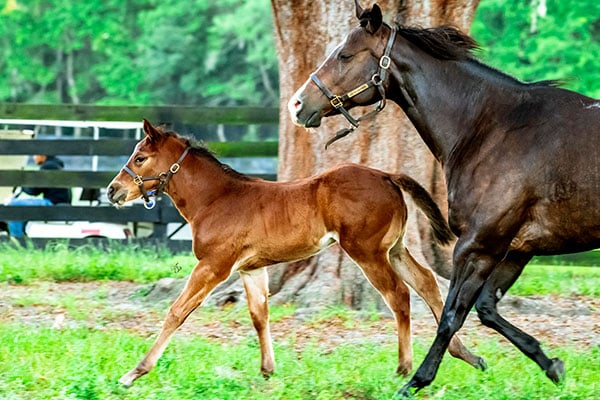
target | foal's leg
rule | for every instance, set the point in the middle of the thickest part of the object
(422, 280)
(256, 283)
(203, 279)
(378, 270)
(501, 279)
(471, 269)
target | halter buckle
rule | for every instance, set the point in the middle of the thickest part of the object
(138, 180)
(336, 102)
(385, 62)
(174, 168)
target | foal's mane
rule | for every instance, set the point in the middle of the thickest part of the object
(447, 42)
(199, 149)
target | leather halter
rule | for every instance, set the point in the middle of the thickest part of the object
(163, 179)
(376, 81)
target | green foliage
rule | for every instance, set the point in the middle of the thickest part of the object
(138, 51)
(83, 264)
(532, 44)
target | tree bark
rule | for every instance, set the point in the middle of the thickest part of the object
(305, 32)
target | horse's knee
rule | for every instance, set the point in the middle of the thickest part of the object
(487, 313)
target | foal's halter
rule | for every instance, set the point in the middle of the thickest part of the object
(376, 81)
(163, 179)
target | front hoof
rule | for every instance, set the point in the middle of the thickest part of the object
(556, 371)
(127, 379)
(480, 364)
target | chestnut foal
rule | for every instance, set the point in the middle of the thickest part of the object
(243, 224)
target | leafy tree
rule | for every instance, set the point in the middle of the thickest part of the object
(543, 39)
(138, 51)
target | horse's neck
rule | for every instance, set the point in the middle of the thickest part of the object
(444, 105)
(197, 184)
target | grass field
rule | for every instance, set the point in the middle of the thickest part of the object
(85, 361)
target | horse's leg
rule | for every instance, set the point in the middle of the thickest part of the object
(501, 279)
(378, 270)
(423, 281)
(203, 279)
(256, 283)
(471, 269)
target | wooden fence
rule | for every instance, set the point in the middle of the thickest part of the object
(164, 213)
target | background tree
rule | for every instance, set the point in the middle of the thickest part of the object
(305, 31)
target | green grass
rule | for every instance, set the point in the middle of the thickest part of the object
(86, 364)
(59, 263)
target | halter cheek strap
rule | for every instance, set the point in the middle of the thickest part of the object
(376, 80)
(163, 179)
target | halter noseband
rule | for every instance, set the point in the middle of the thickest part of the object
(163, 179)
(376, 81)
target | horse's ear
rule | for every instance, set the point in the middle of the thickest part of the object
(371, 19)
(150, 131)
(359, 9)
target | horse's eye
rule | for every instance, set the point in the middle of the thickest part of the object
(139, 159)
(344, 57)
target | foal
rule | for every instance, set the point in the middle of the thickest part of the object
(243, 224)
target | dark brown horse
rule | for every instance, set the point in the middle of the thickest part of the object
(520, 159)
(243, 225)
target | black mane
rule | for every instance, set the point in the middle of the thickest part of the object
(199, 148)
(443, 42)
(447, 42)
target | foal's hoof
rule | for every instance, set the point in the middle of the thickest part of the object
(556, 371)
(480, 364)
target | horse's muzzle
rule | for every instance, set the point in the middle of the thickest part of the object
(116, 194)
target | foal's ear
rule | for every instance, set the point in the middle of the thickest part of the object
(359, 9)
(150, 131)
(370, 19)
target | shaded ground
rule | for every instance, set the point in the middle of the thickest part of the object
(553, 320)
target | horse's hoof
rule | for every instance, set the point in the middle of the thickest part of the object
(404, 393)
(556, 371)
(127, 379)
(403, 370)
(480, 364)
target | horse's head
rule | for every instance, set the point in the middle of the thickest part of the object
(353, 74)
(149, 168)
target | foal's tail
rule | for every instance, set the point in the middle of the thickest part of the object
(441, 231)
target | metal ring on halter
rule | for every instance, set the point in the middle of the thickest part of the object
(150, 204)
(174, 168)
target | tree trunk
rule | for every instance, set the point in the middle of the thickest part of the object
(305, 32)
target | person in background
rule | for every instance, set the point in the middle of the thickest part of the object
(50, 196)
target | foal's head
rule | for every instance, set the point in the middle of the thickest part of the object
(353, 63)
(153, 160)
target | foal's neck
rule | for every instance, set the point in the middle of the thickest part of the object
(198, 183)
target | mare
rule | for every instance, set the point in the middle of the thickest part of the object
(241, 224)
(520, 160)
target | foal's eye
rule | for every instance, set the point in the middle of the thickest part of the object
(139, 159)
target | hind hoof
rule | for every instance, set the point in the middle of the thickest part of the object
(556, 371)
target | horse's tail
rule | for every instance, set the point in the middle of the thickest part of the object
(441, 231)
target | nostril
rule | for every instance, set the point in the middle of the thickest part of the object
(297, 104)
(110, 190)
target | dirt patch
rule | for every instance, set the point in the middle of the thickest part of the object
(553, 320)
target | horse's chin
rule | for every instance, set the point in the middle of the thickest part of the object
(313, 121)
